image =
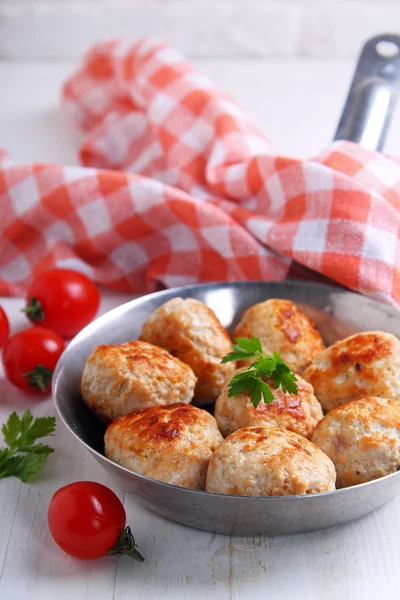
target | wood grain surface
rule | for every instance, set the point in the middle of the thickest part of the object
(359, 561)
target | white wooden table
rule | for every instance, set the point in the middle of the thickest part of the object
(297, 103)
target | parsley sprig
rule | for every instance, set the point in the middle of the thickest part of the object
(23, 457)
(265, 366)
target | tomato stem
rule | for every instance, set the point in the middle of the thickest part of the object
(34, 310)
(126, 545)
(40, 377)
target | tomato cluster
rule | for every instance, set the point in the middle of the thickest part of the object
(86, 519)
(59, 303)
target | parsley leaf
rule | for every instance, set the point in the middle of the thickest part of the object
(238, 384)
(265, 366)
(244, 348)
(23, 457)
(11, 429)
(266, 392)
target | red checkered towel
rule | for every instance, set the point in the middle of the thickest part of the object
(179, 186)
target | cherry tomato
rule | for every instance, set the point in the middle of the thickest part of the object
(87, 520)
(62, 300)
(30, 357)
(4, 328)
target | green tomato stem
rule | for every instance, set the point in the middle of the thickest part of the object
(126, 545)
(39, 377)
(34, 310)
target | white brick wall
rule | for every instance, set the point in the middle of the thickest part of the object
(31, 29)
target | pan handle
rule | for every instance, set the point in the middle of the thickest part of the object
(373, 93)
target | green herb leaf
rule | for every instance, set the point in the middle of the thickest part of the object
(266, 392)
(283, 376)
(23, 457)
(11, 429)
(265, 365)
(37, 449)
(22, 466)
(251, 345)
(244, 348)
(238, 385)
(41, 427)
(252, 380)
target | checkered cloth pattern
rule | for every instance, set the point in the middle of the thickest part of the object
(179, 186)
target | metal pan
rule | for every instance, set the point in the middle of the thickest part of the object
(336, 312)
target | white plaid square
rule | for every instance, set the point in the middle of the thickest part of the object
(259, 228)
(276, 194)
(96, 99)
(236, 181)
(181, 238)
(146, 193)
(58, 231)
(384, 169)
(218, 238)
(178, 280)
(17, 269)
(76, 173)
(199, 80)
(24, 195)
(217, 155)
(169, 56)
(379, 245)
(199, 135)
(317, 177)
(257, 145)
(95, 217)
(76, 264)
(160, 107)
(310, 236)
(129, 257)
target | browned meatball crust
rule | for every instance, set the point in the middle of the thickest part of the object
(170, 443)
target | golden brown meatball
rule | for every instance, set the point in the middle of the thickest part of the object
(362, 438)
(123, 378)
(169, 443)
(296, 412)
(266, 461)
(191, 331)
(364, 364)
(282, 327)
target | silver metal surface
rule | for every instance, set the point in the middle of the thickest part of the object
(373, 93)
(337, 313)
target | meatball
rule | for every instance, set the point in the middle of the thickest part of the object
(266, 461)
(364, 364)
(282, 327)
(169, 443)
(362, 438)
(296, 412)
(123, 378)
(191, 331)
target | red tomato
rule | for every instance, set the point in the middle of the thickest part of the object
(62, 300)
(87, 520)
(30, 357)
(4, 327)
